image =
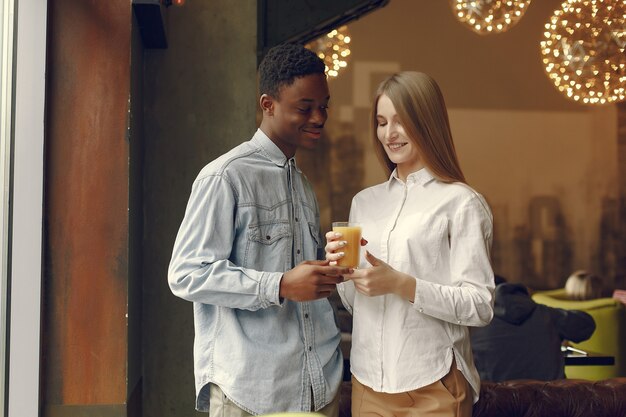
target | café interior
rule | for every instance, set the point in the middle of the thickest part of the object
(140, 95)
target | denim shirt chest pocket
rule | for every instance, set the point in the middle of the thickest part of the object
(269, 244)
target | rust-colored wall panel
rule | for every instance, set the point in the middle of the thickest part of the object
(86, 205)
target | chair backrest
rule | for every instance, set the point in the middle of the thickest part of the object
(609, 336)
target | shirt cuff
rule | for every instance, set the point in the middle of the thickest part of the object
(341, 290)
(270, 289)
(418, 300)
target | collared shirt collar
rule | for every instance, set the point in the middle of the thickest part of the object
(271, 150)
(420, 177)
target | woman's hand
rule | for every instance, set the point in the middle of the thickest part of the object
(382, 279)
(333, 247)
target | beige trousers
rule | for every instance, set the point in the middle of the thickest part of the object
(221, 406)
(451, 396)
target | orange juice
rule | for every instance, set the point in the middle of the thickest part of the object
(351, 233)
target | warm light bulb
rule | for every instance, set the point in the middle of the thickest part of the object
(333, 48)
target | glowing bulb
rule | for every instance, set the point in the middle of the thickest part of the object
(333, 49)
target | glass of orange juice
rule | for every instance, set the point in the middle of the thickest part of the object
(351, 233)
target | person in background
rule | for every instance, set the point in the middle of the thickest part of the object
(620, 295)
(582, 285)
(265, 334)
(619, 291)
(523, 341)
(426, 276)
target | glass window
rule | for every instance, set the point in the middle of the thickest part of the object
(6, 106)
(22, 98)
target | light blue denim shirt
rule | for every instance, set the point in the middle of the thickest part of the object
(251, 216)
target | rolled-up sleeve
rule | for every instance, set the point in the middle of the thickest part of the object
(468, 300)
(200, 270)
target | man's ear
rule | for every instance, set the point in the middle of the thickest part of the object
(267, 104)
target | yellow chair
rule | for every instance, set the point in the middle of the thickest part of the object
(608, 338)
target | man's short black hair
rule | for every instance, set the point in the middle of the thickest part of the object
(283, 64)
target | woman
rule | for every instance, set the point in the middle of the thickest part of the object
(426, 275)
(581, 285)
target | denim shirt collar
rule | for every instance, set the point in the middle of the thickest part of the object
(271, 151)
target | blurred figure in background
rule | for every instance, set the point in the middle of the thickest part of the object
(523, 341)
(582, 285)
(620, 295)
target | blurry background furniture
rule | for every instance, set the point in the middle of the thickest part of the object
(609, 337)
(523, 398)
(565, 397)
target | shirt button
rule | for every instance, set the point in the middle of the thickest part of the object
(310, 348)
(268, 237)
(306, 315)
(421, 310)
(298, 251)
(296, 219)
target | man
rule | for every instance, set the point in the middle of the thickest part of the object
(523, 341)
(265, 334)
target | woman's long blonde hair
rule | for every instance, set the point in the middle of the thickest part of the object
(422, 112)
(582, 285)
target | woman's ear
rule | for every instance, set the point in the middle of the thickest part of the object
(267, 104)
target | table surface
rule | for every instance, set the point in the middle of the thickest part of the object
(587, 359)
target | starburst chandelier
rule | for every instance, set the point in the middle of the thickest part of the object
(583, 50)
(334, 49)
(489, 16)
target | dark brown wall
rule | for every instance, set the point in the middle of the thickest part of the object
(199, 101)
(86, 205)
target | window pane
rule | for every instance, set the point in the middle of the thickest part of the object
(6, 106)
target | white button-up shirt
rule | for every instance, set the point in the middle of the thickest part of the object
(441, 235)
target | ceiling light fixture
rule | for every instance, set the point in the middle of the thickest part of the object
(583, 50)
(489, 16)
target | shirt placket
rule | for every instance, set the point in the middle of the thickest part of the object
(296, 216)
(315, 385)
(386, 238)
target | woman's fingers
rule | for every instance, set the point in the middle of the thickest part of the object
(334, 256)
(335, 246)
(374, 261)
